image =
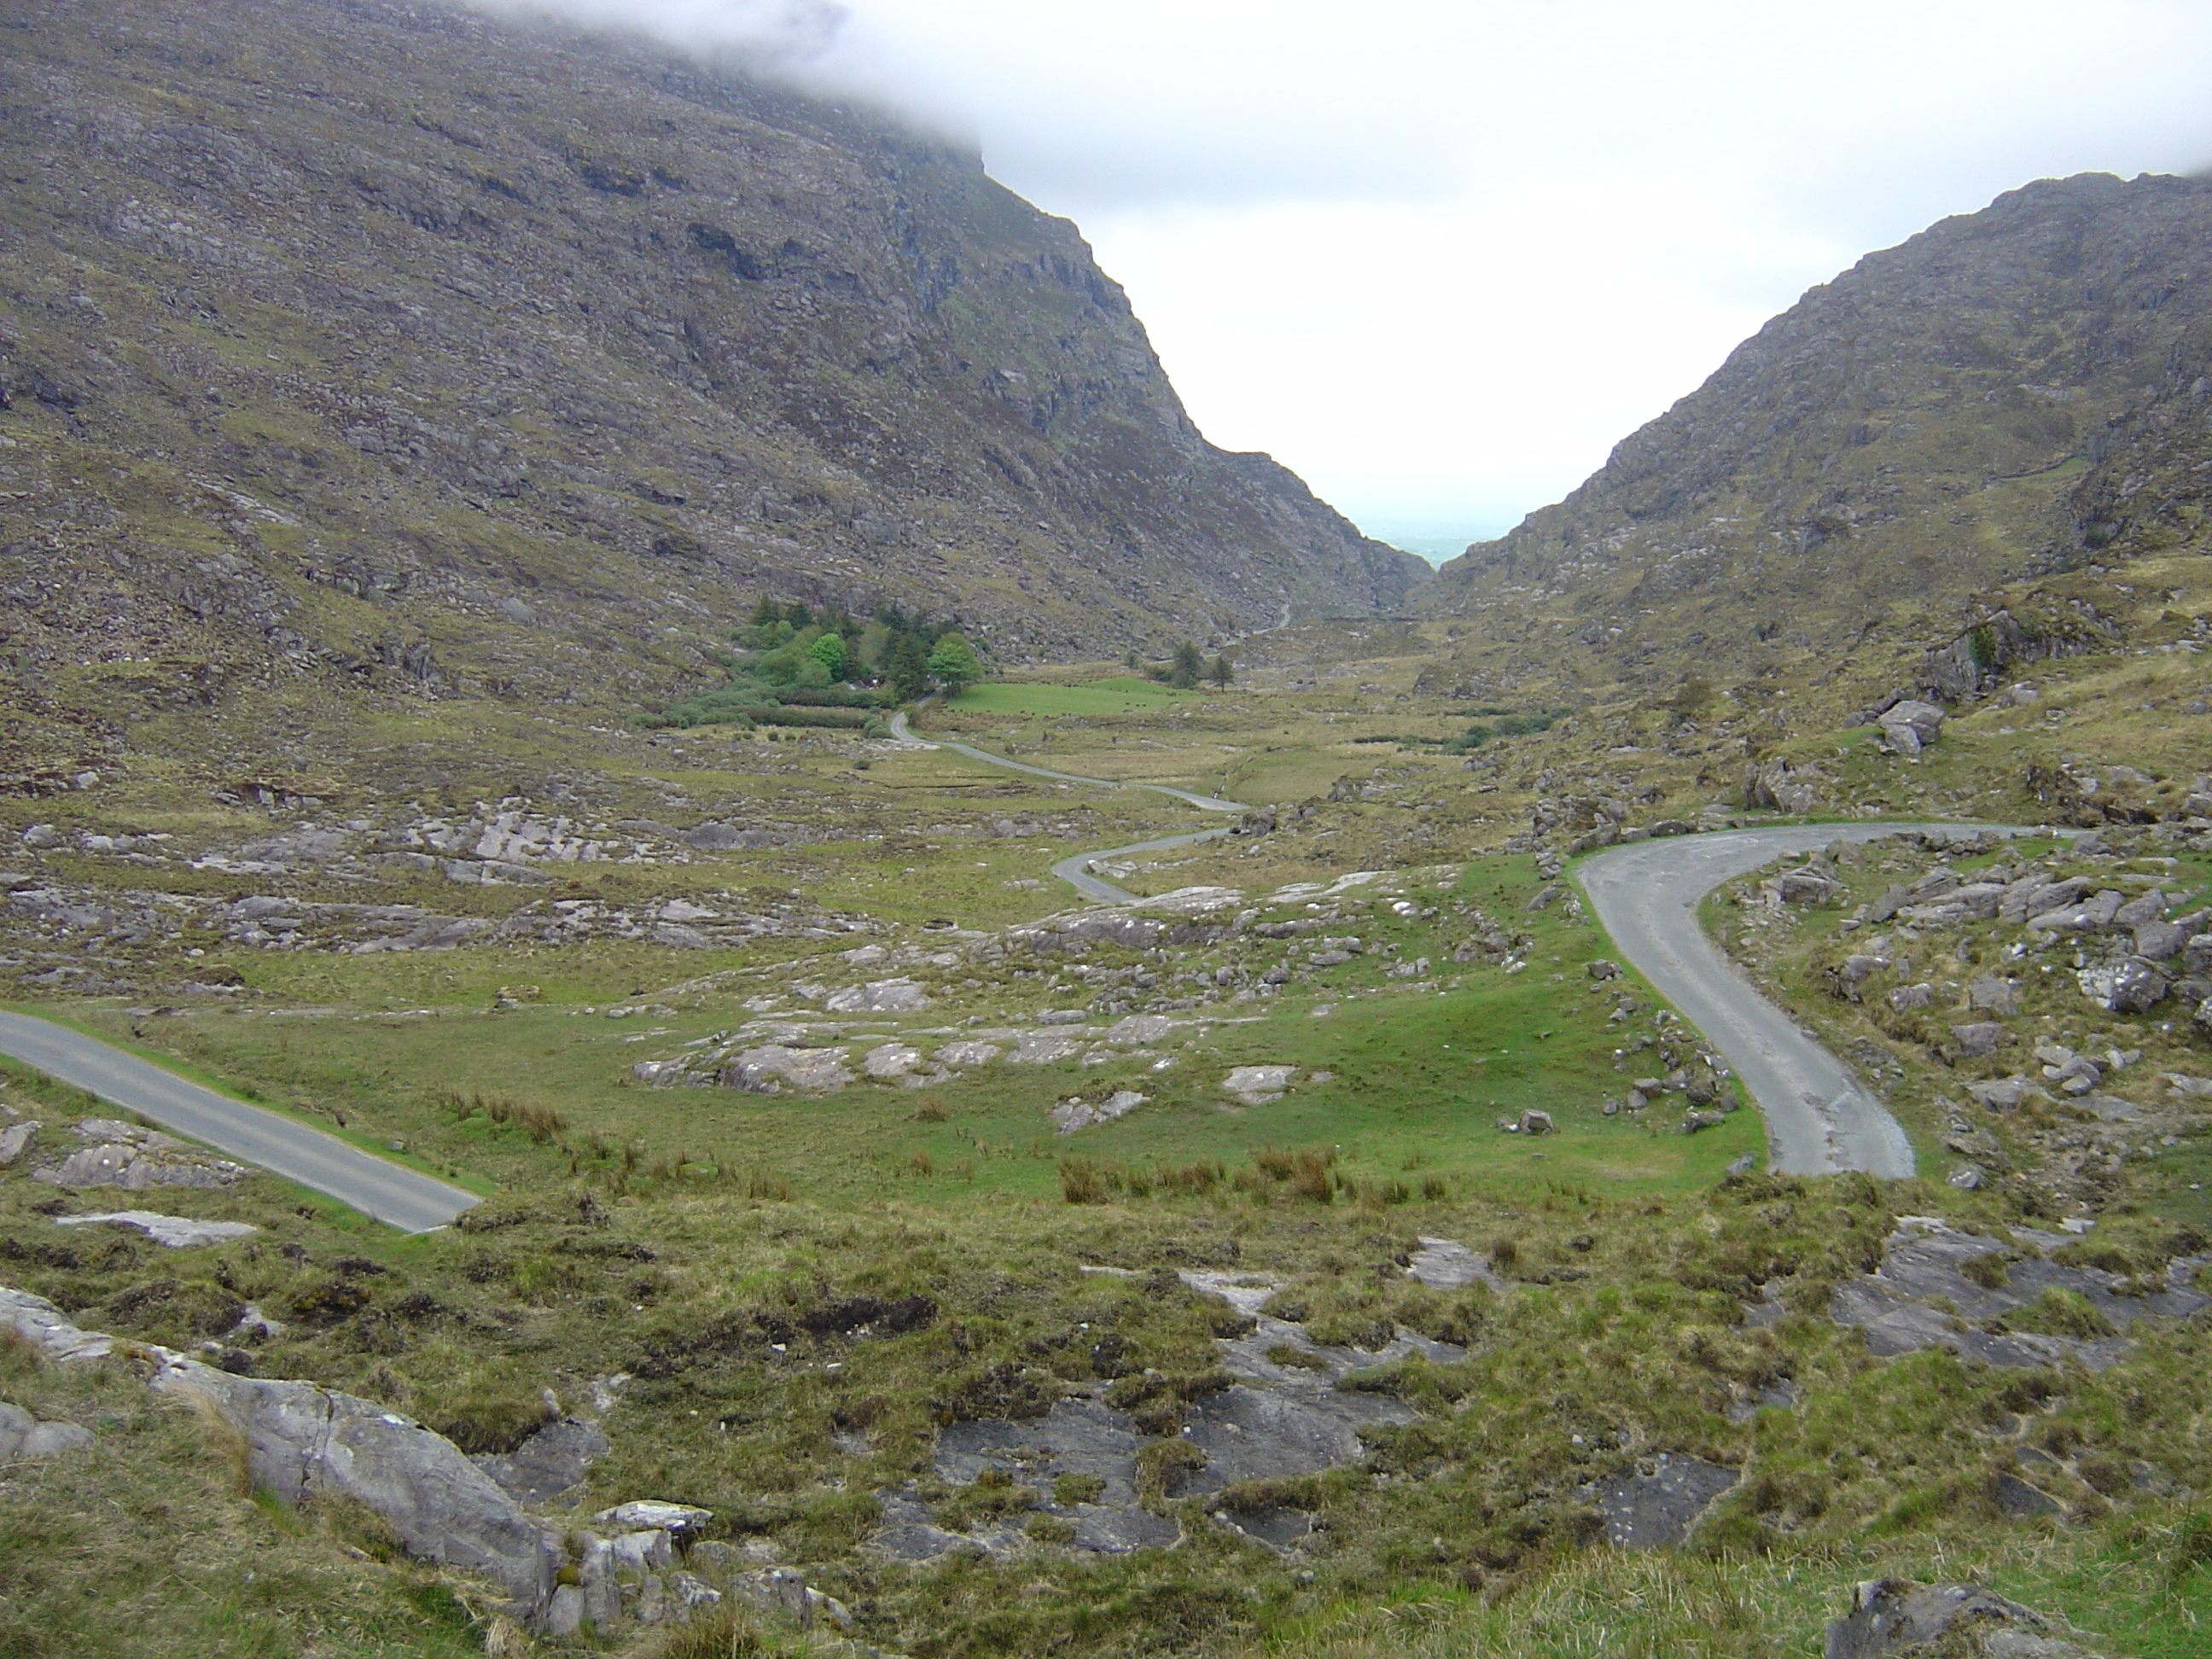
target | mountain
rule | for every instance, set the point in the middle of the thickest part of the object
(2011, 395)
(396, 344)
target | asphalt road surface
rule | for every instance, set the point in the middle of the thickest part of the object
(1819, 1119)
(411, 1203)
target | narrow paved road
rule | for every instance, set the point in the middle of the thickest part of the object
(411, 1203)
(1819, 1119)
(1076, 870)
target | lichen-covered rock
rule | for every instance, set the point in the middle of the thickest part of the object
(1892, 1615)
(883, 996)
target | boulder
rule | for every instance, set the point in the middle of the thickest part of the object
(2129, 986)
(1536, 1123)
(304, 1442)
(1891, 1615)
(1922, 995)
(174, 1233)
(23, 1435)
(1783, 787)
(882, 996)
(1808, 887)
(640, 1514)
(2160, 941)
(766, 1070)
(1994, 995)
(1072, 1114)
(968, 1054)
(1910, 726)
(15, 1140)
(1658, 1508)
(1044, 1048)
(2093, 916)
(891, 1059)
(1981, 1038)
(2004, 1094)
(1256, 1085)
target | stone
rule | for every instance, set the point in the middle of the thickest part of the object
(646, 1551)
(1694, 1121)
(1785, 788)
(1657, 1509)
(891, 1059)
(550, 1464)
(766, 1070)
(175, 1232)
(1966, 1178)
(968, 1054)
(882, 996)
(1536, 1123)
(1138, 1030)
(2003, 1093)
(2093, 916)
(1603, 969)
(1044, 1048)
(23, 1435)
(2161, 941)
(1922, 995)
(15, 1140)
(125, 1164)
(641, 1513)
(1977, 1040)
(2129, 986)
(1891, 1615)
(1257, 1084)
(1912, 726)
(304, 1442)
(1806, 887)
(2149, 907)
(1073, 1114)
(1994, 995)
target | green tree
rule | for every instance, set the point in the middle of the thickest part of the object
(953, 664)
(1188, 665)
(906, 666)
(1220, 673)
(829, 652)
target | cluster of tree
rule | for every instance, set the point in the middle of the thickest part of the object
(791, 657)
(1186, 668)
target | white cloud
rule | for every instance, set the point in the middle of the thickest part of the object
(1438, 255)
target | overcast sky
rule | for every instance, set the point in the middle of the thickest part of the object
(1439, 255)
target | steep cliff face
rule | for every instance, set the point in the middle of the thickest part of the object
(2012, 392)
(344, 334)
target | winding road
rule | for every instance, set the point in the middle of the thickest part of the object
(412, 1202)
(1820, 1120)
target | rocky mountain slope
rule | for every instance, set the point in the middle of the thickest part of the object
(2012, 394)
(399, 344)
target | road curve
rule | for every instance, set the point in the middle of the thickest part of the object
(1819, 1119)
(1076, 870)
(413, 1203)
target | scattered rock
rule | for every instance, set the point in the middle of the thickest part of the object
(1658, 1508)
(1891, 1615)
(125, 1155)
(1073, 1114)
(883, 996)
(15, 1140)
(2129, 986)
(1533, 1123)
(891, 1059)
(968, 1054)
(1912, 726)
(766, 1070)
(681, 1520)
(1044, 1048)
(175, 1231)
(1977, 1040)
(23, 1435)
(1257, 1084)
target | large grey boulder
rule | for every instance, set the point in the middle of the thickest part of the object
(2129, 986)
(304, 1442)
(1910, 726)
(769, 1069)
(22, 1436)
(15, 1140)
